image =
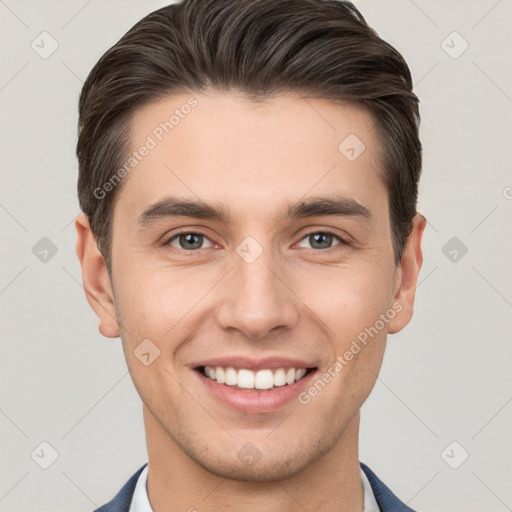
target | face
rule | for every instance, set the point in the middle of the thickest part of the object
(284, 263)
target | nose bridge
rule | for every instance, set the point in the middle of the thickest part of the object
(257, 299)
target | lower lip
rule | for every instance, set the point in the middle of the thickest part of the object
(254, 401)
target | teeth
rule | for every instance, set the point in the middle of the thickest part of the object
(247, 379)
(280, 378)
(300, 373)
(231, 377)
(264, 379)
(220, 375)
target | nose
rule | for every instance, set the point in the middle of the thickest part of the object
(258, 298)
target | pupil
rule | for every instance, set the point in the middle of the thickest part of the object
(188, 240)
(319, 237)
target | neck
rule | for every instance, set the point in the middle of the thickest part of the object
(176, 482)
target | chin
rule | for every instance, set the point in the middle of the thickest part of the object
(266, 465)
(269, 471)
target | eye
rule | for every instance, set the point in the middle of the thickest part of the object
(188, 241)
(322, 239)
(191, 241)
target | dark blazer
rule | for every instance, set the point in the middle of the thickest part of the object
(387, 501)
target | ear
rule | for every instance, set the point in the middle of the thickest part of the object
(406, 278)
(96, 280)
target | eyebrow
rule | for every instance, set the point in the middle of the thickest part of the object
(169, 207)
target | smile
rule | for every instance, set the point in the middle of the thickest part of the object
(245, 379)
(265, 388)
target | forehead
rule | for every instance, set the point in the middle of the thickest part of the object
(238, 152)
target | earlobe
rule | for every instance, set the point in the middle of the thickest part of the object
(95, 278)
(407, 275)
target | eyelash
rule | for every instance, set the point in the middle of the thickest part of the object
(342, 240)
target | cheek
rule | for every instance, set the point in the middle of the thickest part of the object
(151, 307)
(350, 299)
(157, 302)
(144, 289)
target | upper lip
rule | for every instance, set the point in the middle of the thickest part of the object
(251, 363)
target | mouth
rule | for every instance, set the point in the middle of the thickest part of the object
(254, 391)
(244, 379)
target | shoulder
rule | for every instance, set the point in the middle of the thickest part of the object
(387, 501)
(122, 500)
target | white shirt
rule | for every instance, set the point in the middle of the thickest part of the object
(140, 501)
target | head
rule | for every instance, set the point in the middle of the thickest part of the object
(248, 175)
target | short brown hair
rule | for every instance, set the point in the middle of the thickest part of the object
(322, 48)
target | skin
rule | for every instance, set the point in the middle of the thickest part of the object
(294, 300)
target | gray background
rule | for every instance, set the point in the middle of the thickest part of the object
(446, 377)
